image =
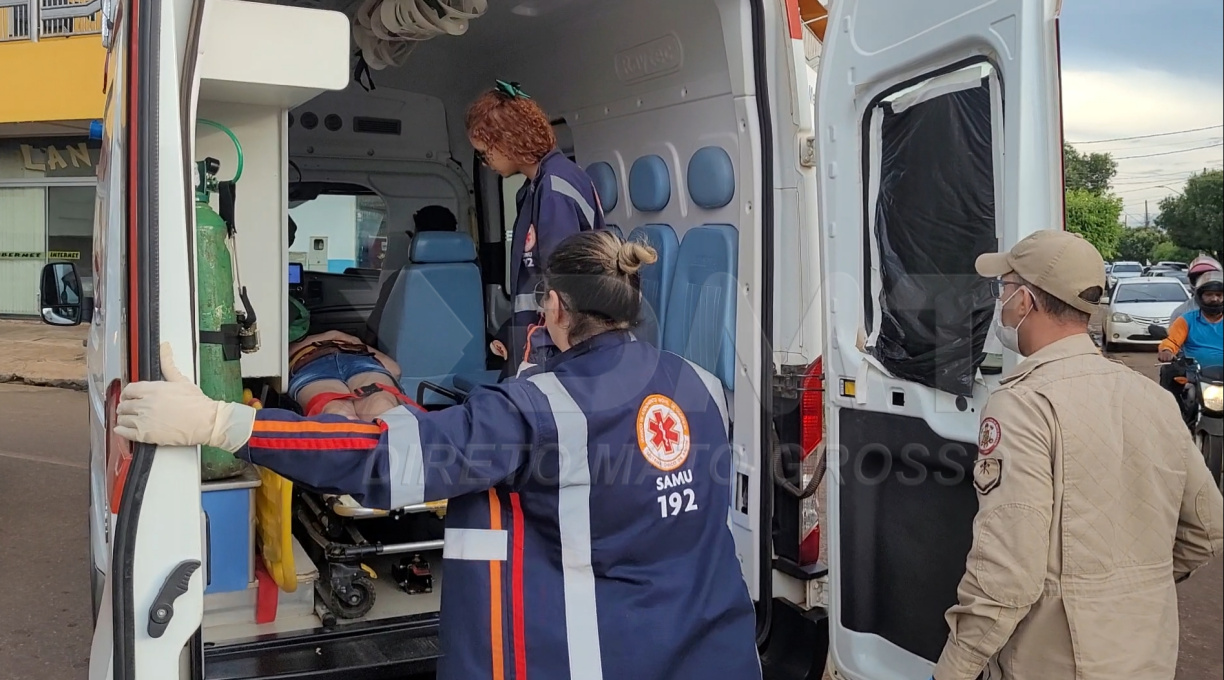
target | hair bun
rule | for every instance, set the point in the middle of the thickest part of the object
(633, 255)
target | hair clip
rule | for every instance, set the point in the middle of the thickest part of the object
(511, 89)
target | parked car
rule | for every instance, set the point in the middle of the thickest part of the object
(1156, 268)
(1175, 265)
(1137, 303)
(1178, 274)
(1122, 270)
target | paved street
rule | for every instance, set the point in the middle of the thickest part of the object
(45, 627)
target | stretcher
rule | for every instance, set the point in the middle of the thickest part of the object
(326, 525)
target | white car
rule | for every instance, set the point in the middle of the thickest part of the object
(1137, 303)
(1120, 271)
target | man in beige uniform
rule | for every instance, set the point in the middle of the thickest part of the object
(1093, 500)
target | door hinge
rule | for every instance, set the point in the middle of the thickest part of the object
(817, 593)
(788, 381)
(807, 151)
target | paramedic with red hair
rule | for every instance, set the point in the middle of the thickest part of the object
(586, 528)
(512, 135)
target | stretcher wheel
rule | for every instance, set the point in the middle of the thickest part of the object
(353, 600)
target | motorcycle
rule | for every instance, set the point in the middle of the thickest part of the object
(1202, 405)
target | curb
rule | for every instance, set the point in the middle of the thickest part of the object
(60, 383)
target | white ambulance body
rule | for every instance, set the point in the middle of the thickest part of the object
(931, 133)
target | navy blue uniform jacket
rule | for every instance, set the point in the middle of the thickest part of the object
(560, 202)
(587, 533)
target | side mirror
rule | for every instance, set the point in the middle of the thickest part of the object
(1157, 331)
(60, 294)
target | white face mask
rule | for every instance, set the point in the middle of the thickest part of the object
(1010, 337)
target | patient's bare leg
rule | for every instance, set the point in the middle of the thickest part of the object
(339, 407)
(369, 408)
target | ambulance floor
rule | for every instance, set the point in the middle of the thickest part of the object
(390, 601)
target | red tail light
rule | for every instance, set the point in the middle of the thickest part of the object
(811, 434)
(811, 413)
(118, 450)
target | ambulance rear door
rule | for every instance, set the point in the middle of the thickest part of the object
(938, 138)
(152, 602)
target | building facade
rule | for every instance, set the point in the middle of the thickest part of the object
(52, 65)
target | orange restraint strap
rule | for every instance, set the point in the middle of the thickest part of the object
(315, 406)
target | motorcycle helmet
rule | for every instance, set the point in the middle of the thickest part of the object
(1210, 282)
(1200, 265)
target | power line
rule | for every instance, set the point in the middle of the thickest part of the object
(1166, 153)
(1134, 189)
(1158, 134)
(1136, 176)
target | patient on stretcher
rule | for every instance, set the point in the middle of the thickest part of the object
(336, 373)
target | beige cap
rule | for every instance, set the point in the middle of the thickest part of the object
(1059, 262)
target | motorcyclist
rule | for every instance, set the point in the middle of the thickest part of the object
(1198, 266)
(1198, 334)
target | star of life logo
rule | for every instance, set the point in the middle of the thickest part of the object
(663, 433)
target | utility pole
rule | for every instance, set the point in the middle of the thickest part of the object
(1146, 221)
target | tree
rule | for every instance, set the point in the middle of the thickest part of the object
(1137, 244)
(1195, 219)
(1090, 172)
(1095, 218)
(1167, 251)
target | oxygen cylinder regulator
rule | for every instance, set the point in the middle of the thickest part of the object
(226, 332)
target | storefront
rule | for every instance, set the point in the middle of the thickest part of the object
(47, 198)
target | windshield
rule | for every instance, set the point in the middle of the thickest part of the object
(1152, 292)
(1127, 268)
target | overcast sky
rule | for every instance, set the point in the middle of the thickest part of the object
(1135, 68)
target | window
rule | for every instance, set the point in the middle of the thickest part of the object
(70, 215)
(339, 227)
(1127, 269)
(930, 211)
(1151, 292)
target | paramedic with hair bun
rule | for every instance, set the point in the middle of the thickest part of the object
(512, 135)
(586, 532)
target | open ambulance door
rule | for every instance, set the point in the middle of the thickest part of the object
(152, 602)
(939, 138)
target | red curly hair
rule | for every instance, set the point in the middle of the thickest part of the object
(516, 128)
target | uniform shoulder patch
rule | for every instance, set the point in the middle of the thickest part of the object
(662, 432)
(530, 242)
(987, 474)
(989, 435)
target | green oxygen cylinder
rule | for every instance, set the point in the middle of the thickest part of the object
(220, 345)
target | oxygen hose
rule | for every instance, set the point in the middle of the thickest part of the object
(233, 138)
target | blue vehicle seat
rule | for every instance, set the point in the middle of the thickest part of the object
(649, 184)
(711, 178)
(700, 315)
(615, 230)
(433, 323)
(604, 178)
(656, 279)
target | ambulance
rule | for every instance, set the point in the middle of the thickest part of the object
(817, 180)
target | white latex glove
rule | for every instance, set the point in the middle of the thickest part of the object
(174, 412)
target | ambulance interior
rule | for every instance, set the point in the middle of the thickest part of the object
(648, 97)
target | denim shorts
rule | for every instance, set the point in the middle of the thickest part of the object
(340, 366)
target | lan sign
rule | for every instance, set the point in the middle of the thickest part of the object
(66, 160)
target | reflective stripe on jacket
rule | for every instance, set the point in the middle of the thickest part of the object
(587, 533)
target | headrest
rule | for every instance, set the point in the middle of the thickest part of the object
(649, 184)
(604, 177)
(434, 247)
(711, 178)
